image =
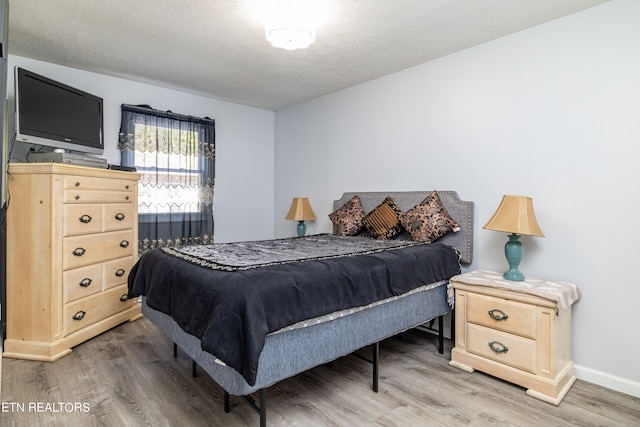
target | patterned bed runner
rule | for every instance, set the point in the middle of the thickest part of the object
(245, 255)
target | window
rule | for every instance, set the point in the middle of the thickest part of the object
(175, 156)
(171, 174)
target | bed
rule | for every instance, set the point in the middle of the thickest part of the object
(251, 322)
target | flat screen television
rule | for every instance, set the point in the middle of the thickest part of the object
(55, 115)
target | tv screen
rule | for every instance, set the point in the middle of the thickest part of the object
(53, 114)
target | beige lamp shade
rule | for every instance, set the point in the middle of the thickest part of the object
(300, 210)
(515, 215)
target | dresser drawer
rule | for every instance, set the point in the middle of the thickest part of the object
(82, 282)
(81, 219)
(93, 196)
(92, 309)
(116, 272)
(97, 184)
(79, 251)
(502, 314)
(97, 190)
(502, 347)
(118, 216)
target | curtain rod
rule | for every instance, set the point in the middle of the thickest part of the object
(146, 109)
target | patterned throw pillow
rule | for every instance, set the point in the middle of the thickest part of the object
(383, 222)
(428, 220)
(347, 219)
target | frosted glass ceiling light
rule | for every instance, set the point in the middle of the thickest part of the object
(290, 24)
(291, 38)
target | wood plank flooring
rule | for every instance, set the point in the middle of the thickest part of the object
(129, 377)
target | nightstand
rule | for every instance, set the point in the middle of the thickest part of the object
(517, 331)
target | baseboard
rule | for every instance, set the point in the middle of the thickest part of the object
(623, 385)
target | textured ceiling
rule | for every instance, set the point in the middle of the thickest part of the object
(217, 48)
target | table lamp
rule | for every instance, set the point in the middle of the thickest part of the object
(515, 215)
(300, 211)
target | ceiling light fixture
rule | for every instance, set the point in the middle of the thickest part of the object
(290, 24)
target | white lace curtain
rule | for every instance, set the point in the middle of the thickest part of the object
(175, 154)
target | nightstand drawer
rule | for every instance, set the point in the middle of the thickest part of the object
(505, 348)
(502, 314)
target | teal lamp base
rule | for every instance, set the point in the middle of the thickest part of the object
(302, 229)
(514, 251)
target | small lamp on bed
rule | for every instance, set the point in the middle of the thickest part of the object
(515, 215)
(301, 211)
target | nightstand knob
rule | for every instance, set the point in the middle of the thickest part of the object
(498, 347)
(496, 314)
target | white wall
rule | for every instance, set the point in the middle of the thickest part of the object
(552, 112)
(244, 143)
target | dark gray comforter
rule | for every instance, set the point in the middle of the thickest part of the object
(231, 305)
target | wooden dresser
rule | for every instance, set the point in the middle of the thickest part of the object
(504, 330)
(71, 242)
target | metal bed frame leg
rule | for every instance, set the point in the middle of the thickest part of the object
(194, 365)
(260, 409)
(441, 334)
(376, 353)
(453, 325)
(263, 407)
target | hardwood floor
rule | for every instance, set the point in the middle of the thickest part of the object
(129, 377)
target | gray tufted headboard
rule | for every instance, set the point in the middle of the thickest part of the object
(460, 211)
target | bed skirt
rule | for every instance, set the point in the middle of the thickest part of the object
(288, 353)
